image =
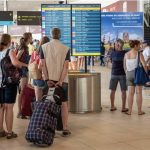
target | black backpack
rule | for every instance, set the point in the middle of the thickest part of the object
(10, 73)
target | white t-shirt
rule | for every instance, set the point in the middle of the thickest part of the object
(146, 53)
(2, 55)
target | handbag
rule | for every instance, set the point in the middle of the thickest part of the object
(141, 77)
(33, 67)
(34, 71)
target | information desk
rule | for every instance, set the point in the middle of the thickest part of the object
(84, 92)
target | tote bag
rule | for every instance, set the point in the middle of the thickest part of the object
(141, 77)
(34, 71)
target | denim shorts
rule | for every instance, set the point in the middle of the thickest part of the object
(39, 83)
(114, 82)
(8, 94)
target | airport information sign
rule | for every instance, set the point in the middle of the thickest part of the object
(57, 16)
(6, 18)
(28, 18)
(86, 30)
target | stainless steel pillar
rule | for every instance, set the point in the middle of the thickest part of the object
(85, 92)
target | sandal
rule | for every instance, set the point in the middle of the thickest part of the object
(3, 133)
(127, 113)
(141, 113)
(113, 109)
(66, 133)
(11, 135)
(19, 116)
(125, 110)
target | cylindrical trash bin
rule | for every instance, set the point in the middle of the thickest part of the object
(84, 92)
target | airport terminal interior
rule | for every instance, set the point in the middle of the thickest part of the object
(86, 26)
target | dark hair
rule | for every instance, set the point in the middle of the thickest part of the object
(44, 40)
(27, 35)
(23, 41)
(134, 43)
(56, 33)
(120, 41)
(23, 45)
(4, 41)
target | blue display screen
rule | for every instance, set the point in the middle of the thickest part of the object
(57, 16)
(86, 29)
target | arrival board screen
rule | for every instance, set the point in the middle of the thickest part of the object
(86, 30)
(57, 16)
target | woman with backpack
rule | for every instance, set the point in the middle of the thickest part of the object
(23, 56)
(8, 85)
(39, 83)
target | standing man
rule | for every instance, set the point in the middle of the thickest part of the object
(55, 58)
(118, 75)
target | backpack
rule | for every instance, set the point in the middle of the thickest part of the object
(10, 73)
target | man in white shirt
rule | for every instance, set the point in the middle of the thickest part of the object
(55, 58)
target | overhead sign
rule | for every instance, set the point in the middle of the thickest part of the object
(6, 18)
(28, 18)
(57, 16)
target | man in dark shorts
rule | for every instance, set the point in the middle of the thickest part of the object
(55, 58)
(118, 75)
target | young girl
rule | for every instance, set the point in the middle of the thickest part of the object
(39, 84)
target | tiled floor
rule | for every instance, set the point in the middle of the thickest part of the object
(96, 131)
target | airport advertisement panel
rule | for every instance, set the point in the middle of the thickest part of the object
(126, 26)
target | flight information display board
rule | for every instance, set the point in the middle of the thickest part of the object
(28, 18)
(6, 18)
(55, 15)
(86, 29)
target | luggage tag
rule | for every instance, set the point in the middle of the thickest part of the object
(50, 95)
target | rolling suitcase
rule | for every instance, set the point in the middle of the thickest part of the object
(43, 123)
(28, 97)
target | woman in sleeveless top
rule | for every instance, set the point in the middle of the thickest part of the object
(23, 56)
(39, 84)
(130, 63)
(9, 92)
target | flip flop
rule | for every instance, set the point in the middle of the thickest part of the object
(127, 113)
(141, 113)
(113, 109)
(125, 110)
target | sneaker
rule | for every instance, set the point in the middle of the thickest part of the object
(3, 133)
(66, 133)
(11, 135)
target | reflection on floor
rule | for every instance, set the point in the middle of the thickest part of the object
(103, 131)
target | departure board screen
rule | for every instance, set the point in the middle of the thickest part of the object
(6, 18)
(86, 29)
(57, 16)
(28, 18)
